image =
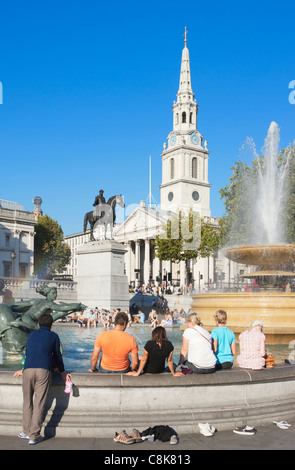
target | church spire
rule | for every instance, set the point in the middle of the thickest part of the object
(185, 71)
(185, 109)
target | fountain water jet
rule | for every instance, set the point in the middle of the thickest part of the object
(272, 257)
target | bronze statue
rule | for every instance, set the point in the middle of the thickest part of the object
(100, 198)
(103, 214)
(14, 331)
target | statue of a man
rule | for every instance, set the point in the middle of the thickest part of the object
(99, 199)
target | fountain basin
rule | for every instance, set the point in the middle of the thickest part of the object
(269, 257)
(276, 311)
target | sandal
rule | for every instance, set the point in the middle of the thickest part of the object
(282, 424)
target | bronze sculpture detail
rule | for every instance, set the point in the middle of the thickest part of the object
(14, 331)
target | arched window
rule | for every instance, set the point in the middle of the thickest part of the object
(191, 118)
(172, 168)
(183, 117)
(177, 119)
(194, 167)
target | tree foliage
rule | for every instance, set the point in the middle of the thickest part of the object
(240, 194)
(52, 254)
(186, 236)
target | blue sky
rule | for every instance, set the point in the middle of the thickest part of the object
(88, 89)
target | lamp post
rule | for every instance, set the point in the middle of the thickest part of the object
(13, 256)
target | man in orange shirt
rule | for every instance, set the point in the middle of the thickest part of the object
(116, 345)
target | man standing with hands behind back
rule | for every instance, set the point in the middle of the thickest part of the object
(42, 350)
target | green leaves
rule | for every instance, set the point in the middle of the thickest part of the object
(51, 253)
(186, 236)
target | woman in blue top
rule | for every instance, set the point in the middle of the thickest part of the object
(224, 342)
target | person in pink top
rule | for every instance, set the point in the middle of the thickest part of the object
(252, 347)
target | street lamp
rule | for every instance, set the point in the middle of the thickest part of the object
(13, 256)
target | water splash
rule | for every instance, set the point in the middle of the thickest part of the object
(271, 189)
(267, 189)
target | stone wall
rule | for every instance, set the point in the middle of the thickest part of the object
(106, 403)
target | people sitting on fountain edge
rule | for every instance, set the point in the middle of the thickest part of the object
(197, 346)
(224, 342)
(252, 347)
(139, 317)
(115, 346)
(156, 352)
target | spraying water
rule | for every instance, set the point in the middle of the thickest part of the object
(271, 189)
(267, 188)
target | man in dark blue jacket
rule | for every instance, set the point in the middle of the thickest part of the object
(42, 350)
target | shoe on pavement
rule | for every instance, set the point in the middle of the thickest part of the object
(22, 435)
(174, 439)
(206, 429)
(245, 430)
(136, 436)
(38, 439)
(282, 424)
(123, 438)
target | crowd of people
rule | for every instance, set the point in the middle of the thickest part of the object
(201, 351)
(95, 317)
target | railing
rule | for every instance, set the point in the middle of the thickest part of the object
(26, 288)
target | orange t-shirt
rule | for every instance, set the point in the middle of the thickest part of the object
(116, 346)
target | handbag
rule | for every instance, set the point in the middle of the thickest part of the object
(269, 361)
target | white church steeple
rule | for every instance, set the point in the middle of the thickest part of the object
(185, 158)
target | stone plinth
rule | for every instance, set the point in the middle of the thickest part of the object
(101, 281)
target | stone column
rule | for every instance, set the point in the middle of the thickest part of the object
(128, 260)
(137, 263)
(146, 274)
(182, 276)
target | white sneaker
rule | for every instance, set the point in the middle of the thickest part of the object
(206, 429)
(173, 439)
(38, 439)
(22, 435)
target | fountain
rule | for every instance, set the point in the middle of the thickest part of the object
(273, 259)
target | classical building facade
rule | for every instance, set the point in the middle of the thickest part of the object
(16, 240)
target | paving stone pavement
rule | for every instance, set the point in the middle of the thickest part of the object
(269, 437)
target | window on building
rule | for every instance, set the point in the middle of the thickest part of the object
(7, 269)
(177, 119)
(23, 269)
(183, 117)
(172, 168)
(194, 167)
(191, 118)
(7, 240)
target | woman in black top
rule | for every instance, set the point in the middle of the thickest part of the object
(155, 353)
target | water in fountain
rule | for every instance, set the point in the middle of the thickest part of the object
(270, 191)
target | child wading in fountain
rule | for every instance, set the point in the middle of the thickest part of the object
(224, 342)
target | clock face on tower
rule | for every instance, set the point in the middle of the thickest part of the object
(173, 140)
(195, 139)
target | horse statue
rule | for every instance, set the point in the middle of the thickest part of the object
(103, 214)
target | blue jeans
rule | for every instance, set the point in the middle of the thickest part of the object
(198, 370)
(101, 369)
